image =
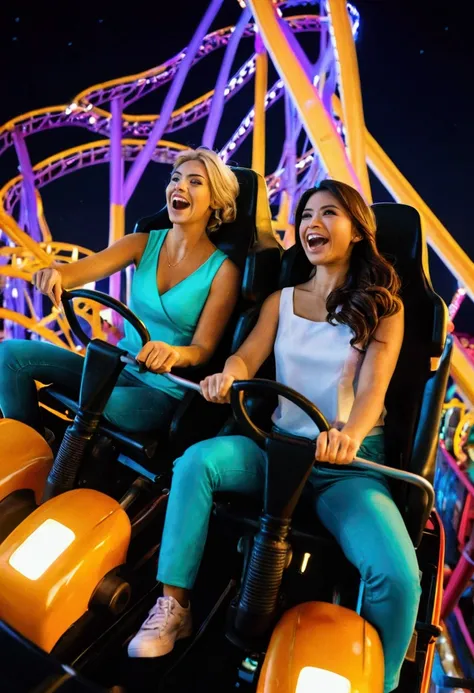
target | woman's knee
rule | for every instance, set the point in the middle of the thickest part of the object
(405, 580)
(198, 461)
(19, 353)
(398, 579)
(227, 463)
(9, 353)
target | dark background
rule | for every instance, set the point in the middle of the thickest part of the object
(416, 59)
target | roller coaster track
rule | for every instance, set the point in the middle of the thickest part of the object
(84, 109)
(74, 159)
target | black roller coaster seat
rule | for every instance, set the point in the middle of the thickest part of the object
(416, 392)
(250, 243)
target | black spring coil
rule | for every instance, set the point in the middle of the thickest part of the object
(63, 473)
(264, 573)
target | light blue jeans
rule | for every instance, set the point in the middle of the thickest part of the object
(354, 505)
(133, 406)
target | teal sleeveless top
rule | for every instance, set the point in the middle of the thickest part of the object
(171, 317)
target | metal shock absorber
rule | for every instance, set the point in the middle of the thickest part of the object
(262, 580)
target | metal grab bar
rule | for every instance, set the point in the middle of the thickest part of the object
(182, 381)
(359, 462)
(400, 475)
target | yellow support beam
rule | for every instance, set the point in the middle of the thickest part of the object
(462, 371)
(10, 271)
(32, 325)
(351, 97)
(450, 252)
(20, 238)
(316, 120)
(116, 232)
(438, 236)
(116, 223)
(261, 83)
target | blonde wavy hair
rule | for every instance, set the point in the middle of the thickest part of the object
(223, 184)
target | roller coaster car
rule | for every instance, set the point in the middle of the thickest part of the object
(73, 533)
(287, 622)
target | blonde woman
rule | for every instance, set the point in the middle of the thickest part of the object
(184, 290)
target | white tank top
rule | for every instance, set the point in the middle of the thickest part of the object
(317, 360)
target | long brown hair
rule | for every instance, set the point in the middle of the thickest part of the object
(371, 287)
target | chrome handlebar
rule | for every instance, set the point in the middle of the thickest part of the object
(358, 462)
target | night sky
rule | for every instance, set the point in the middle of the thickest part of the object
(415, 57)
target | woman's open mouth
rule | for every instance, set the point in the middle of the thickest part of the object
(180, 203)
(314, 241)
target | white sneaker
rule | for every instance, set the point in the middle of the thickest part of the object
(167, 622)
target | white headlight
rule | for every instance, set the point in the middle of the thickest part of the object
(312, 680)
(39, 551)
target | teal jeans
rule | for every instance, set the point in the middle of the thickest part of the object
(133, 406)
(354, 505)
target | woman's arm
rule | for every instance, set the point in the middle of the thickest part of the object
(259, 344)
(375, 376)
(95, 267)
(374, 379)
(249, 357)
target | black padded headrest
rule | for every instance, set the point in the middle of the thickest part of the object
(234, 239)
(400, 240)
